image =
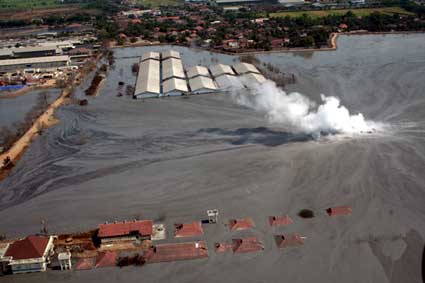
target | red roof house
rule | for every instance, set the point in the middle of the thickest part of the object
(106, 259)
(241, 224)
(280, 220)
(188, 229)
(288, 241)
(339, 210)
(31, 254)
(246, 245)
(126, 229)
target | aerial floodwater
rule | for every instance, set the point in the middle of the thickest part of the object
(172, 159)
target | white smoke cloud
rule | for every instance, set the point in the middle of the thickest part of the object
(298, 113)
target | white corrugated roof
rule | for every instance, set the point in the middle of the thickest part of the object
(197, 71)
(243, 68)
(172, 68)
(201, 82)
(228, 81)
(150, 55)
(174, 84)
(252, 77)
(221, 69)
(170, 53)
(34, 49)
(47, 59)
(148, 77)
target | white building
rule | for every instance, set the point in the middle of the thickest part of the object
(48, 62)
(170, 54)
(172, 68)
(228, 82)
(221, 69)
(148, 81)
(251, 78)
(197, 71)
(243, 68)
(31, 254)
(65, 260)
(201, 84)
(150, 55)
(174, 87)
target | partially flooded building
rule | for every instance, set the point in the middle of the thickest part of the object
(172, 68)
(148, 79)
(174, 87)
(251, 78)
(221, 69)
(201, 84)
(125, 231)
(150, 55)
(197, 71)
(244, 68)
(228, 82)
(170, 54)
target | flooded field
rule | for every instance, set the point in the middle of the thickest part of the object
(171, 159)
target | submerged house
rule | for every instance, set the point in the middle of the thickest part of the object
(31, 254)
(125, 231)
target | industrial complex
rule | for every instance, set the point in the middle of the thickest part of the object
(163, 74)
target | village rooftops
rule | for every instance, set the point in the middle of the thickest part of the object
(289, 240)
(220, 69)
(170, 54)
(197, 71)
(246, 245)
(243, 68)
(280, 220)
(188, 229)
(28, 248)
(241, 224)
(150, 55)
(143, 227)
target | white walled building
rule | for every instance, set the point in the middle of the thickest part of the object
(221, 69)
(201, 84)
(227, 82)
(148, 80)
(172, 68)
(174, 87)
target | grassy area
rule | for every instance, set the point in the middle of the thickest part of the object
(157, 3)
(358, 12)
(28, 4)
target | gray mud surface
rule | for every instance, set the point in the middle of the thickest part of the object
(171, 159)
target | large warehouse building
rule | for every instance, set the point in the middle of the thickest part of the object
(220, 69)
(197, 71)
(172, 68)
(174, 87)
(49, 62)
(201, 84)
(243, 68)
(148, 80)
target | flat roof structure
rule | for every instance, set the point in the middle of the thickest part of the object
(172, 67)
(177, 251)
(202, 84)
(241, 224)
(280, 220)
(35, 60)
(150, 55)
(247, 245)
(221, 69)
(143, 227)
(170, 54)
(148, 80)
(293, 240)
(193, 229)
(197, 71)
(228, 81)
(243, 68)
(339, 210)
(30, 49)
(250, 78)
(174, 86)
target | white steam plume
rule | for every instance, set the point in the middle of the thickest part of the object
(300, 114)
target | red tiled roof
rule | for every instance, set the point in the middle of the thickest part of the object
(222, 247)
(143, 227)
(280, 220)
(289, 240)
(188, 229)
(105, 259)
(241, 224)
(339, 210)
(30, 247)
(247, 245)
(84, 264)
(177, 251)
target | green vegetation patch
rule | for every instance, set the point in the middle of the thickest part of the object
(357, 12)
(28, 4)
(157, 3)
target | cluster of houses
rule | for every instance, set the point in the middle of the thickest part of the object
(163, 74)
(116, 240)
